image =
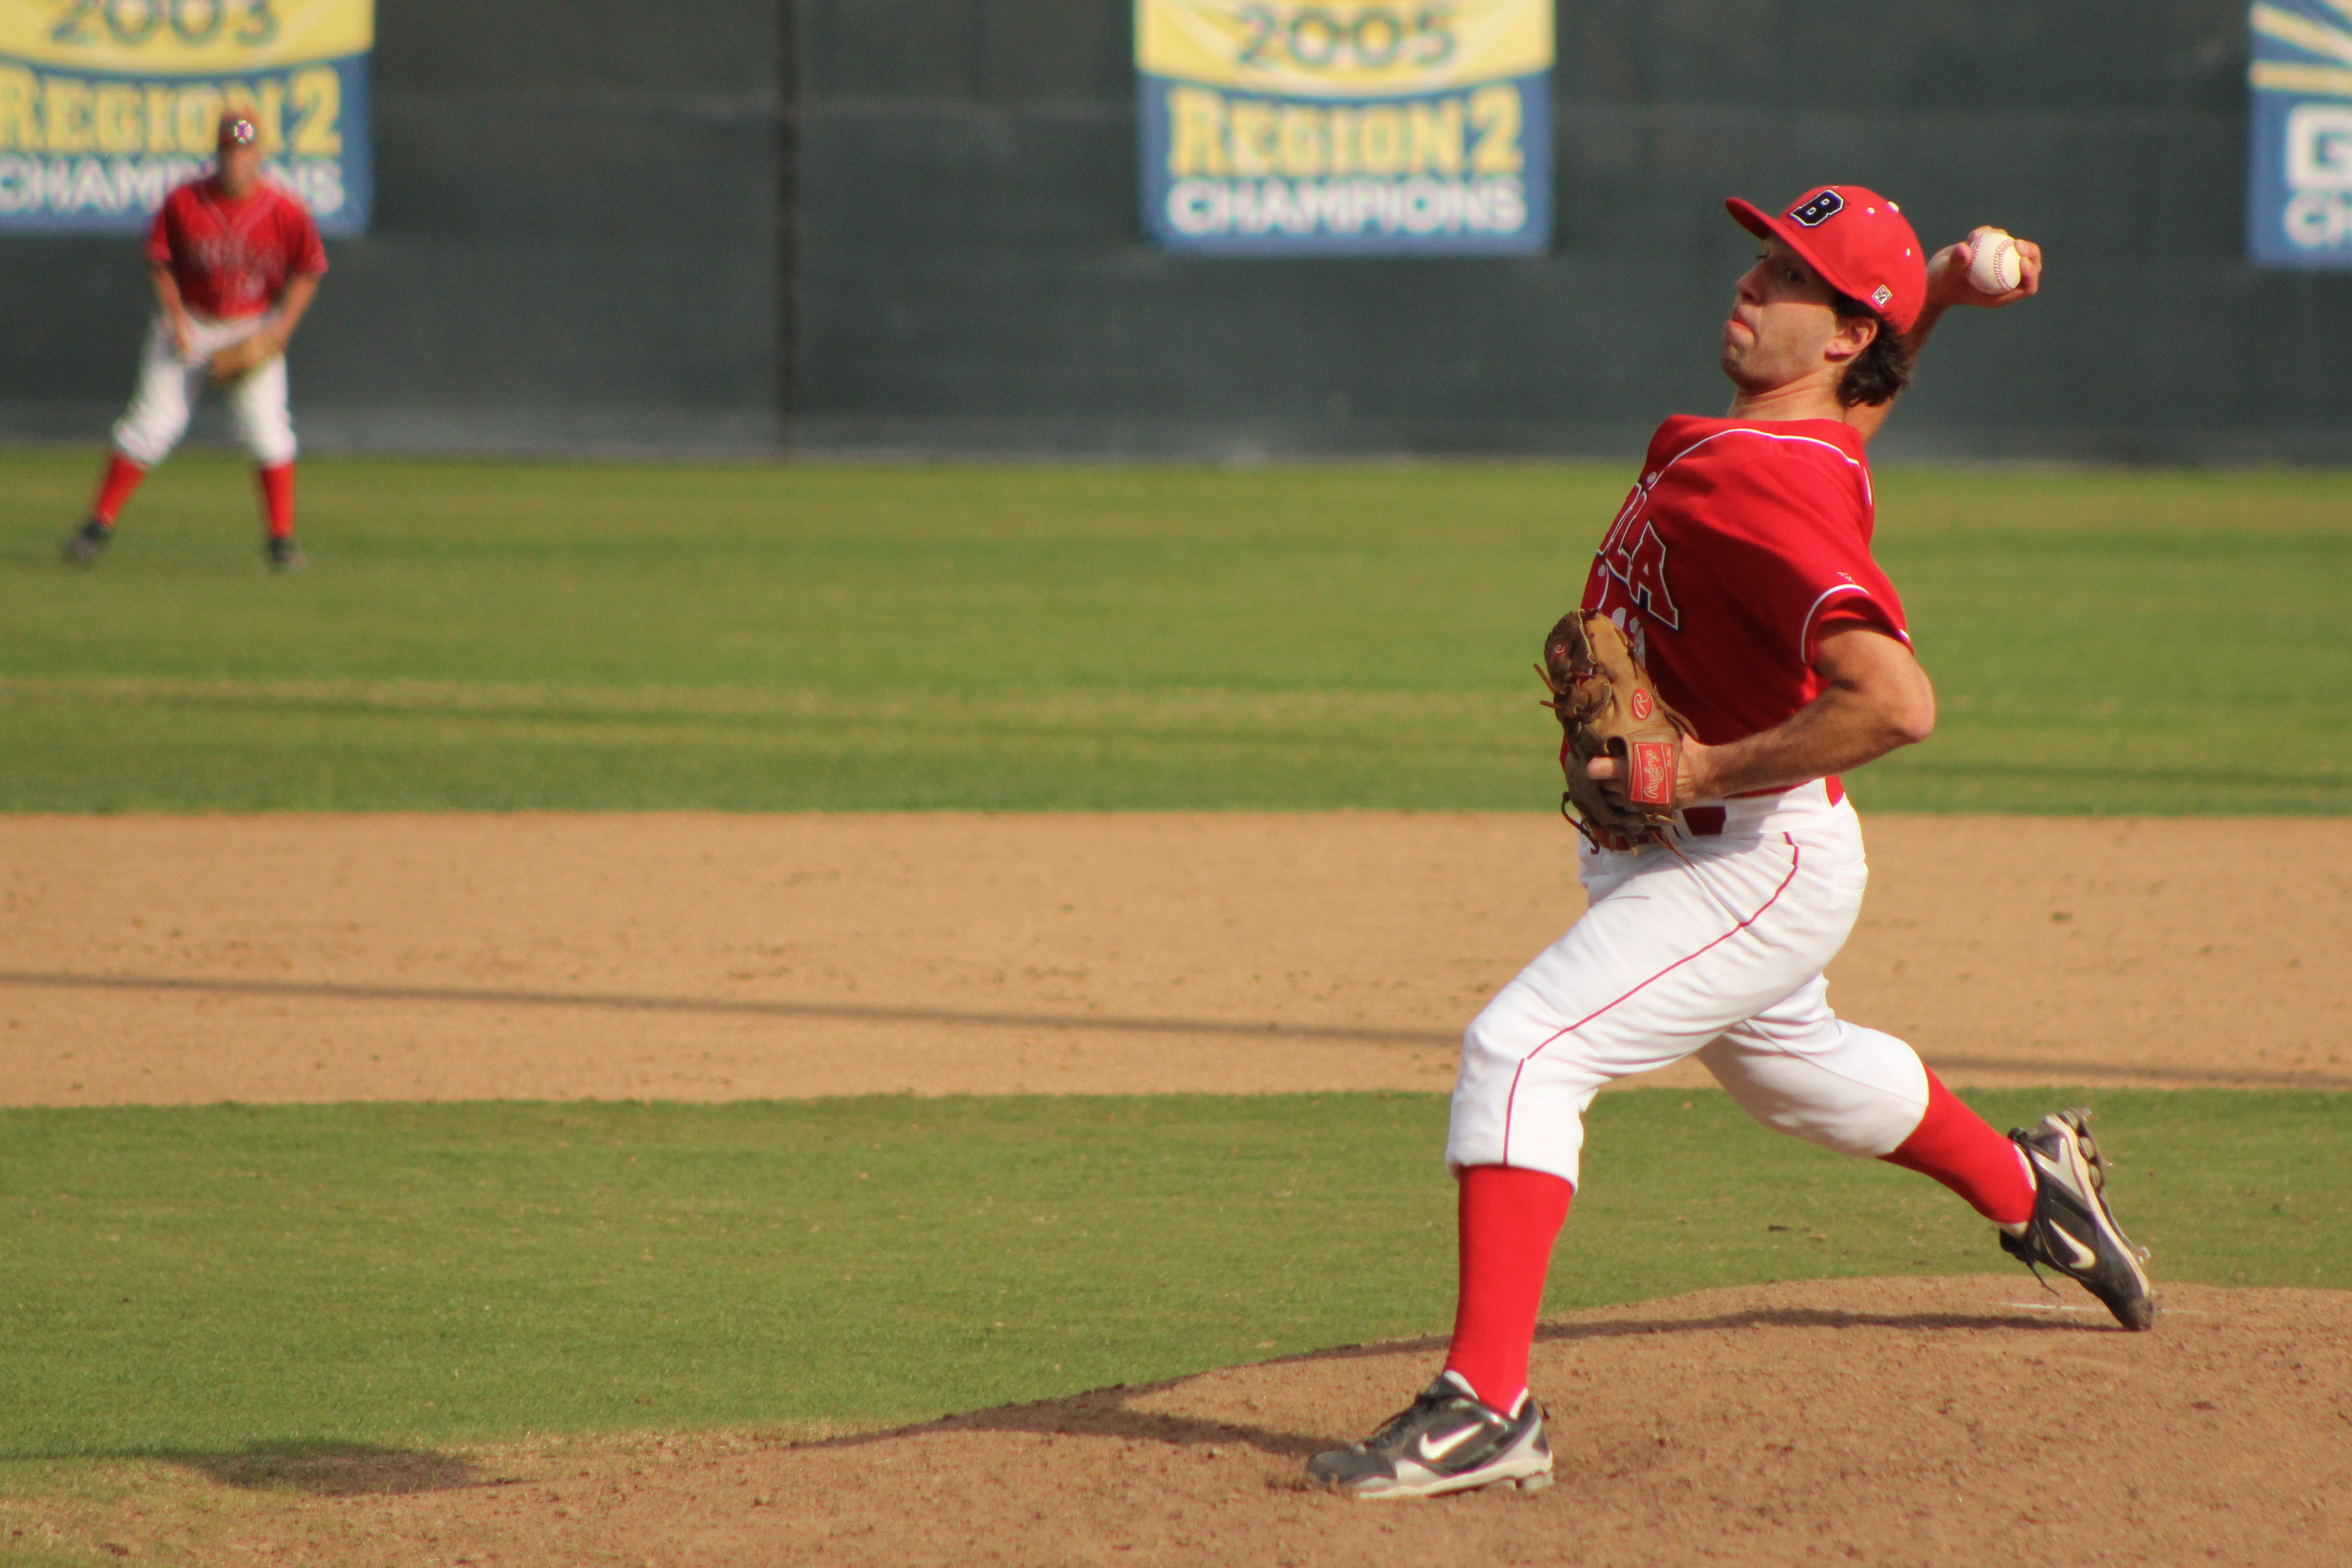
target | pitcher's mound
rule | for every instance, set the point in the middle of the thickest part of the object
(1961, 1421)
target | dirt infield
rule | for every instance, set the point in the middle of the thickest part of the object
(707, 957)
(1904, 1422)
(714, 957)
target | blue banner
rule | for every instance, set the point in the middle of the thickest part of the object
(2299, 190)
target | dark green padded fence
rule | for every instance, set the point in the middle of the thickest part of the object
(910, 224)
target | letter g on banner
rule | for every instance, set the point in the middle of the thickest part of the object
(2319, 147)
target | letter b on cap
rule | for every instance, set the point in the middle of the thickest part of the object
(1819, 210)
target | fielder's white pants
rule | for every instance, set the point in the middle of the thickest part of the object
(1720, 957)
(169, 386)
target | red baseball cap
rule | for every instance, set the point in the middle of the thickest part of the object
(1856, 239)
(237, 130)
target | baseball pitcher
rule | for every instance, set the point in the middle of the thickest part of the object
(235, 261)
(1736, 650)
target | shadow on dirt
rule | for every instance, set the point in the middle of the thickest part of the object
(1109, 1412)
(239, 985)
(317, 1469)
(335, 1469)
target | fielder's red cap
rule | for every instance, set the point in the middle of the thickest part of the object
(238, 129)
(1856, 238)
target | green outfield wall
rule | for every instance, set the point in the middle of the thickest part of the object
(911, 226)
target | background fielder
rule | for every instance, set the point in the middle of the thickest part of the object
(234, 262)
(1739, 570)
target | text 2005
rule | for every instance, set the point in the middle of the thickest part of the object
(1371, 37)
(130, 23)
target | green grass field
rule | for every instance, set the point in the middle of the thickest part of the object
(226, 1287)
(192, 1283)
(481, 635)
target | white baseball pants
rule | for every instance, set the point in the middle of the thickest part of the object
(1718, 953)
(169, 386)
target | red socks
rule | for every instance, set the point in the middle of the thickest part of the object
(122, 476)
(1953, 1144)
(1509, 1218)
(278, 498)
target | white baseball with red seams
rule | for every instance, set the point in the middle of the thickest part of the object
(1994, 266)
(1742, 545)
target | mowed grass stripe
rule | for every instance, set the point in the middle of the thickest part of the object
(198, 1282)
(735, 749)
(1176, 708)
(484, 634)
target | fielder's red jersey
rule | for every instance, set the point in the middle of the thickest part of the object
(233, 258)
(1740, 546)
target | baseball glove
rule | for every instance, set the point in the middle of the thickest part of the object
(242, 357)
(1607, 706)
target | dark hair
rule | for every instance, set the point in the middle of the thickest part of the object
(1879, 372)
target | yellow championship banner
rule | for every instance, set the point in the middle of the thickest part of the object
(1346, 128)
(105, 105)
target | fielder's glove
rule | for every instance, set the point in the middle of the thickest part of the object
(242, 357)
(1607, 706)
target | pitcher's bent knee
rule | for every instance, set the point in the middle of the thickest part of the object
(1510, 1106)
(1861, 1098)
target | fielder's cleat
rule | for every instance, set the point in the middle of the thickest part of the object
(285, 555)
(2072, 1230)
(84, 544)
(1445, 1441)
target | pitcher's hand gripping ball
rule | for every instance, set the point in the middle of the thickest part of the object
(242, 357)
(1607, 706)
(1994, 265)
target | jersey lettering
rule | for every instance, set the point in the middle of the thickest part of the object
(232, 259)
(1642, 567)
(1625, 515)
(1738, 540)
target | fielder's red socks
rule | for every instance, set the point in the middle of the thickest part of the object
(1509, 1218)
(122, 476)
(278, 498)
(1953, 1144)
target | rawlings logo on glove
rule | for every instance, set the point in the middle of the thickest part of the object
(1607, 706)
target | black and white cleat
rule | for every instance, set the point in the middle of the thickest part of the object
(2072, 1230)
(1445, 1441)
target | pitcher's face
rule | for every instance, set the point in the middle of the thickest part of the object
(1781, 323)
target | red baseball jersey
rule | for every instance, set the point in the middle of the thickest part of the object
(1740, 546)
(233, 258)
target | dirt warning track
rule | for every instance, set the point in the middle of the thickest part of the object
(168, 959)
